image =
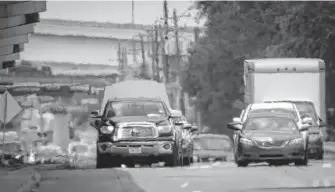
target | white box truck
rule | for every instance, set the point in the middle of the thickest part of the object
(299, 80)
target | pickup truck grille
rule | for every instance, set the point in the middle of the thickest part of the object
(135, 132)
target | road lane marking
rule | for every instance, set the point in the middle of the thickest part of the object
(184, 185)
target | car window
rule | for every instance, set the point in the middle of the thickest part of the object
(212, 143)
(270, 123)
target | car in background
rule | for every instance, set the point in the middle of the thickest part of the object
(307, 109)
(274, 138)
(211, 147)
(184, 128)
(315, 145)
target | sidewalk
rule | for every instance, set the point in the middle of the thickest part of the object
(21, 180)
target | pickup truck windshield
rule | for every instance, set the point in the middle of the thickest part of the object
(135, 108)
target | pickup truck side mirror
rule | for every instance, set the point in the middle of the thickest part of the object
(95, 114)
(95, 123)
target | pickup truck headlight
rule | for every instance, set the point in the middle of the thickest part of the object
(164, 127)
(246, 141)
(107, 129)
(296, 141)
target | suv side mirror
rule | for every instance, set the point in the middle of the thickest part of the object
(95, 114)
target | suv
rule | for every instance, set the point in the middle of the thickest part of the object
(136, 130)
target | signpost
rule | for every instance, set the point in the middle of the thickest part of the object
(9, 108)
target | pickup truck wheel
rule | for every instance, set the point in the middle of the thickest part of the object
(174, 159)
(102, 161)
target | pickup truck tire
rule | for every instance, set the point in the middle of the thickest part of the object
(102, 160)
(174, 159)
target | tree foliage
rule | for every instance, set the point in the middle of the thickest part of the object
(239, 30)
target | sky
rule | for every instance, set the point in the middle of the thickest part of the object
(145, 12)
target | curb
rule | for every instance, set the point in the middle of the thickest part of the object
(33, 183)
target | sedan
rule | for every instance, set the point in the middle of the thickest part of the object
(270, 137)
(211, 147)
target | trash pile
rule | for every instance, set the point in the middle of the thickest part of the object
(12, 151)
(82, 153)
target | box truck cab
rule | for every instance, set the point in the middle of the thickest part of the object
(298, 80)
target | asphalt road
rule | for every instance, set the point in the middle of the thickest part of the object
(210, 177)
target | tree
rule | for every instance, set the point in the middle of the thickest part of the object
(239, 30)
(144, 73)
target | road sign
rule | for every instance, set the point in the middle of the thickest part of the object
(9, 107)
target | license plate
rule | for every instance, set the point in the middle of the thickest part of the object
(135, 150)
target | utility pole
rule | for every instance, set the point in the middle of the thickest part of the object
(179, 93)
(144, 71)
(156, 54)
(133, 23)
(153, 48)
(166, 27)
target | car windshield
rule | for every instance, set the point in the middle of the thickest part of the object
(135, 108)
(211, 143)
(270, 123)
(276, 110)
(307, 108)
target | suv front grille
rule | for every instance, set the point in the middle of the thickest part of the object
(135, 132)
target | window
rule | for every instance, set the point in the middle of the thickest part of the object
(270, 123)
(135, 108)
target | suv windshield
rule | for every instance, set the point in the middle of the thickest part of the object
(270, 123)
(135, 108)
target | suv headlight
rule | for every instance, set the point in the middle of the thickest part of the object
(164, 127)
(107, 129)
(296, 141)
(246, 141)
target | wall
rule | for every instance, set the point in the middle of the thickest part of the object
(72, 49)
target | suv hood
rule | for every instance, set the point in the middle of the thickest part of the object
(275, 135)
(128, 119)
